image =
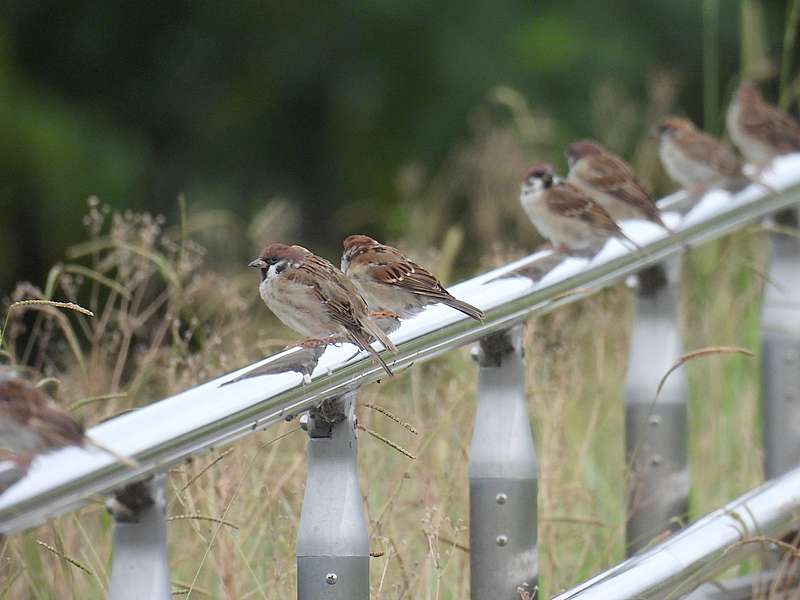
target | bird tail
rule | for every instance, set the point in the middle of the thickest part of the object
(760, 182)
(672, 233)
(378, 333)
(125, 460)
(624, 238)
(465, 308)
(360, 340)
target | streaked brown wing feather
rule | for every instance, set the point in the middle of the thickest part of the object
(705, 149)
(411, 277)
(390, 267)
(343, 303)
(568, 201)
(57, 428)
(615, 177)
(33, 409)
(774, 126)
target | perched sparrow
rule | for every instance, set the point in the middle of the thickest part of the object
(760, 131)
(611, 182)
(310, 295)
(31, 423)
(696, 160)
(391, 282)
(562, 213)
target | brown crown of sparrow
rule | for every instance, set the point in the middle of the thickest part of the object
(311, 296)
(389, 281)
(696, 160)
(565, 215)
(32, 423)
(610, 181)
(760, 130)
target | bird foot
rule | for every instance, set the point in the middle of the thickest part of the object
(311, 343)
(567, 251)
(23, 461)
(545, 246)
(696, 192)
(387, 320)
(330, 411)
(384, 314)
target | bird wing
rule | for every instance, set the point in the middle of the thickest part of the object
(702, 148)
(568, 201)
(57, 428)
(344, 305)
(615, 177)
(389, 266)
(34, 410)
(333, 290)
(411, 277)
(773, 125)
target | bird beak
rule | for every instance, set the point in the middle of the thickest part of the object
(258, 264)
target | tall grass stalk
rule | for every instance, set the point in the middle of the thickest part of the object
(711, 65)
(754, 62)
(789, 40)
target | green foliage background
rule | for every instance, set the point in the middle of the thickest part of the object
(322, 104)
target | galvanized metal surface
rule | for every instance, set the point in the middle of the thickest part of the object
(656, 429)
(771, 585)
(709, 546)
(257, 396)
(333, 540)
(502, 475)
(139, 566)
(780, 351)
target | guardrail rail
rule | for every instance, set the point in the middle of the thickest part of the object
(332, 544)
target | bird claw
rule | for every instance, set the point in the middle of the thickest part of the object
(23, 461)
(545, 246)
(384, 314)
(387, 320)
(310, 343)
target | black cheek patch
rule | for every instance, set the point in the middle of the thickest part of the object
(280, 268)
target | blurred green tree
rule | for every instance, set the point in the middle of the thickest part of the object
(321, 103)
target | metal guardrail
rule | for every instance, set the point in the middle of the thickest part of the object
(709, 546)
(502, 463)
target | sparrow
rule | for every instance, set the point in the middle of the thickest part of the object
(696, 160)
(760, 130)
(391, 282)
(569, 218)
(311, 296)
(32, 423)
(611, 182)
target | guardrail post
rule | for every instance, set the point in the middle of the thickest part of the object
(656, 432)
(503, 482)
(139, 567)
(333, 539)
(780, 351)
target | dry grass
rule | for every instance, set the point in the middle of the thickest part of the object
(166, 320)
(249, 495)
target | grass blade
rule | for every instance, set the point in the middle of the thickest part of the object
(697, 354)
